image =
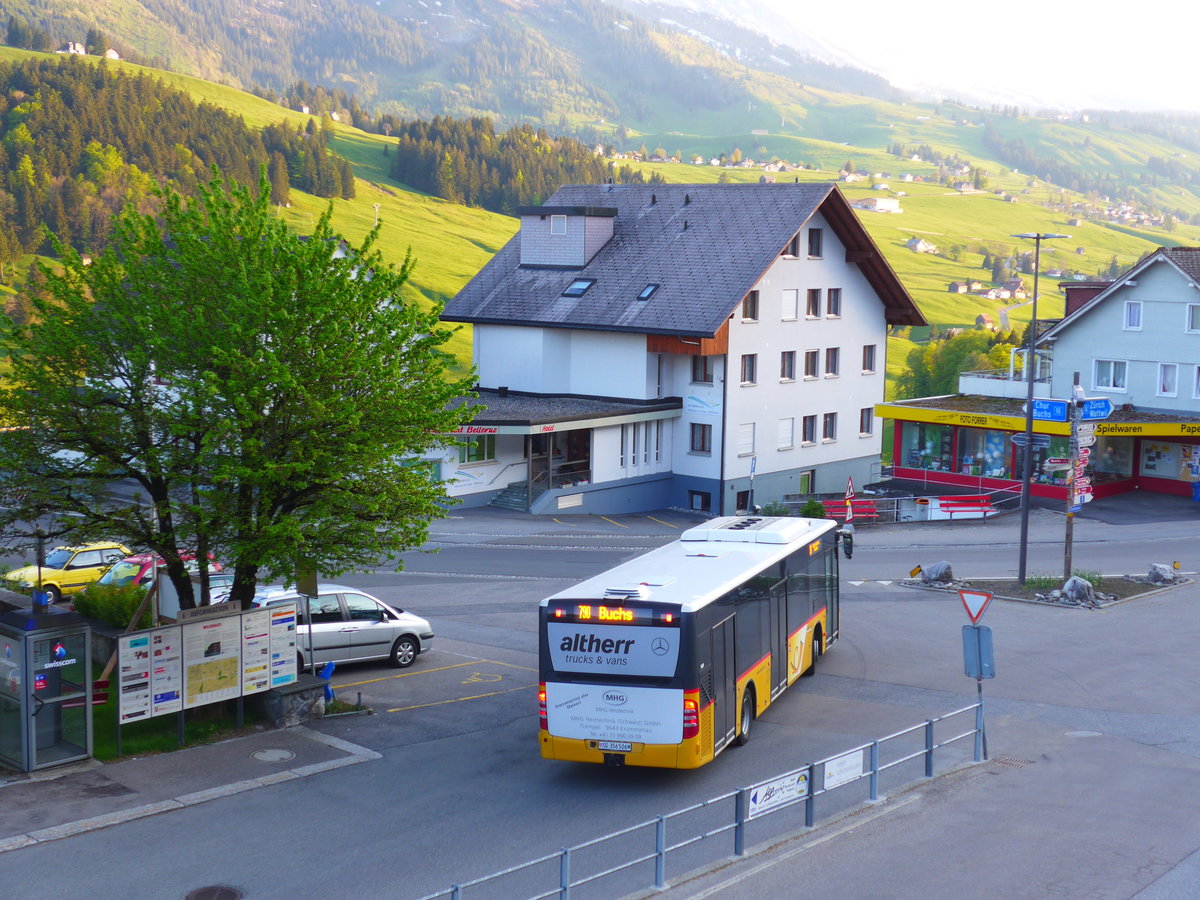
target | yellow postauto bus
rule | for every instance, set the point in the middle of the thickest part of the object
(666, 660)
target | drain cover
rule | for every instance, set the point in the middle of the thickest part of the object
(1013, 763)
(271, 755)
(214, 892)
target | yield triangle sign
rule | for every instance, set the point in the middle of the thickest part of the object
(975, 602)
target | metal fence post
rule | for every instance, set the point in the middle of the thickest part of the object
(564, 874)
(739, 822)
(874, 770)
(812, 790)
(929, 748)
(979, 731)
(660, 852)
(455, 892)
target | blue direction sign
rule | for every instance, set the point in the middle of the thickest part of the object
(1050, 410)
(1094, 409)
(979, 657)
(1039, 440)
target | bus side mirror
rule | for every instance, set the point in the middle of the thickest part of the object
(846, 533)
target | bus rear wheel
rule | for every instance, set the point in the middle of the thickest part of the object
(816, 654)
(746, 719)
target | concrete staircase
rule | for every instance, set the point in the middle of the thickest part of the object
(515, 496)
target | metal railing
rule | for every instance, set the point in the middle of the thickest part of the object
(797, 786)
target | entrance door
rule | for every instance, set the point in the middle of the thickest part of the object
(60, 727)
(724, 684)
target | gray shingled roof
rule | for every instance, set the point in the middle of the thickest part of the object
(536, 409)
(704, 245)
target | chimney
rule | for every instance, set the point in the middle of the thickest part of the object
(502, 391)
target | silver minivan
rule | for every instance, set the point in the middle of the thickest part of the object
(349, 625)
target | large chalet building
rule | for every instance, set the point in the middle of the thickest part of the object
(710, 347)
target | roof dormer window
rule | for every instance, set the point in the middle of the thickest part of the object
(578, 287)
(558, 224)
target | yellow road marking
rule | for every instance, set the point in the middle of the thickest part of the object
(618, 524)
(460, 699)
(473, 662)
(661, 522)
(561, 522)
(479, 677)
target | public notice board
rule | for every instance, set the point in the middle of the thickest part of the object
(216, 657)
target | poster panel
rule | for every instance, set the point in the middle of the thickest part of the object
(166, 670)
(256, 651)
(211, 660)
(133, 677)
(283, 643)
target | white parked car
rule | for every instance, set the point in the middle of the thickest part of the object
(349, 625)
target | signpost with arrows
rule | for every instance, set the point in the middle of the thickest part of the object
(1084, 412)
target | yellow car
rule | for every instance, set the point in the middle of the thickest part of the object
(67, 570)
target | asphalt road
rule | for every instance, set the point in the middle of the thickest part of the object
(1096, 711)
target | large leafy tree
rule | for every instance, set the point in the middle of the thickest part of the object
(269, 395)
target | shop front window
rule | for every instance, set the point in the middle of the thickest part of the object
(925, 446)
(1112, 458)
(1180, 462)
(1052, 465)
(983, 452)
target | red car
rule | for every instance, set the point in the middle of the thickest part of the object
(139, 568)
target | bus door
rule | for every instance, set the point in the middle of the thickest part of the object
(779, 639)
(832, 595)
(724, 684)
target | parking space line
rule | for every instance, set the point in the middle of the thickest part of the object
(461, 699)
(568, 524)
(472, 662)
(661, 522)
(614, 521)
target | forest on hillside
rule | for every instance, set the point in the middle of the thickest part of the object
(466, 162)
(79, 141)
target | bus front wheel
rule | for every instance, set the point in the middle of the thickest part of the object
(746, 719)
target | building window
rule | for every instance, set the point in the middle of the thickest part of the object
(1196, 385)
(578, 287)
(812, 363)
(831, 361)
(1168, 379)
(793, 247)
(1193, 317)
(787, 434)
(866, 420)
(787, 365)
(746, 439)
(750, 307)
(791, 305)
(812, 308)
(829, 427)
(701, 438)
(700, 501)
(815, 236)
(868, 358)
(749, 368)
(558, 224)
(481, 448)
(658, 438)
(648, 292)
(1133, 315)
(833, 303)
(702, 370)
(808, 430)
(1110, 374)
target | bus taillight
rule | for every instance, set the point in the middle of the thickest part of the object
(691, 718)
(542, 723)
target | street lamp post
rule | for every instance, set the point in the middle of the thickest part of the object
(1030, 375)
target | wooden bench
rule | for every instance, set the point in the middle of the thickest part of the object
(979, 505)
(863, 509)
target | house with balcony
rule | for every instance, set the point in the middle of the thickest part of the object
(711, 347)
(1134, 341)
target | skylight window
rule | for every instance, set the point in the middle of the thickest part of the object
(578, 287)
(648, 292)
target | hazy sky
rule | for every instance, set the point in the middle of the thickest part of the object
(1056, 52)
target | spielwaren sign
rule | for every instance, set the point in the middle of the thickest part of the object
(1158, 429)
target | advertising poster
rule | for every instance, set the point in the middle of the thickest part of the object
(621, 714)
(166, 670)
(133, 667)
(283, 644)
(212, 660)
(620, 649)
(256, 651)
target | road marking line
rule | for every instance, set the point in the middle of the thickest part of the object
(461, 699)
(614, 521)
(561, 522)
(473, 661)
(661, 522)
(807, 845)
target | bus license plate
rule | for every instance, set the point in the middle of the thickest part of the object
(615, 746)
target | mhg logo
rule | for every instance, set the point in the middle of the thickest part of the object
(616, 698)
